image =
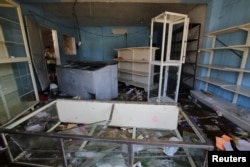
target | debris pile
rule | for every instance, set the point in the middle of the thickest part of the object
(132, 94)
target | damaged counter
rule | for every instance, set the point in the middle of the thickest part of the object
(104, 133)
(88, 79)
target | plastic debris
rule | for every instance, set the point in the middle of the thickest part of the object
(231, 143)
(130, 91)
(137, 164)
(170, 151)
(38, 122)
(133, 94)
(53, 88)
(35, 128)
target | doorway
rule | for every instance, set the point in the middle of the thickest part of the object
(49, 39)
(39, 37)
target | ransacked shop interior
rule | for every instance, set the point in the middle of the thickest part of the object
(88, 83)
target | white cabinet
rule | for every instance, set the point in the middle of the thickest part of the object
(17, 88)
(169, 65)
(228, 75)
(133, 66)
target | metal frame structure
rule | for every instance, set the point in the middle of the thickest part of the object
(189, 67)
(94, 136)
(168, 21)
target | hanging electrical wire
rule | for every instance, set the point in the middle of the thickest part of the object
(76, 21)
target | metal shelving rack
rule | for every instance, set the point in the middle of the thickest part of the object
(239, 68)
(229, 79)
(168, 63)
(189, 67)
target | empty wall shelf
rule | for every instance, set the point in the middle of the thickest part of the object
(133, 66)
(219, 69)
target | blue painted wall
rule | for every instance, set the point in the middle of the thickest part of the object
(98, 43)
(222, 14)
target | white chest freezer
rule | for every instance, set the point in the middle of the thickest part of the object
(88, 80)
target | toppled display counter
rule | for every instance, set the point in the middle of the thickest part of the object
(104, 133)
(88, 80)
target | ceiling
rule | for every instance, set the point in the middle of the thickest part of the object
(110, 12)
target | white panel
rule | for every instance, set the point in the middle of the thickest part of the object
(56, 47)
(36, 50)
(125, 65)
(143, 67)
(140, 79)
(86, 112)
(142, 53)
(145, 116)
(125, 54)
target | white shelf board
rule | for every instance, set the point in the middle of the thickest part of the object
(227, 86)
(234, 47)
(11, 42)
(169, 63)
(132, 60)
(226, 108)
(237, 69)
(213, 81)
(15, 59)
(138, 48)
(139, 73)
(238, 89)
(245, 27)
(224, 68)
